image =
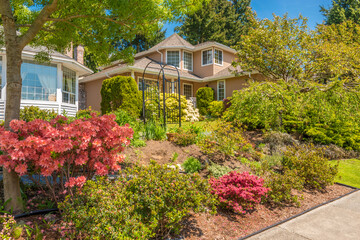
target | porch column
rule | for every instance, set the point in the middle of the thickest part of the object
(59, 86)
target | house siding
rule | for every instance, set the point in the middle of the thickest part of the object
(2, 110)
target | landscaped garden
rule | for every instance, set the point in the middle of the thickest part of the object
(232, 173)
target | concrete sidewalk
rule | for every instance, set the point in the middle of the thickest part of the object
(338, 220)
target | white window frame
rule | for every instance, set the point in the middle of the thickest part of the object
(192, 61)
(192, 89)
(179, 57)
(140, 79)
(222, 59)
(218, 90)
(212, 57)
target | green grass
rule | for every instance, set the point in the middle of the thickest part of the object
(186, 125)
(349, 172)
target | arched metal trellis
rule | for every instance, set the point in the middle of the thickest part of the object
(161, 97)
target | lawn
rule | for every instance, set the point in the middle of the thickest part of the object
(349, 172)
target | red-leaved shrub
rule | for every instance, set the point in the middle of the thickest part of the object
(65, 154)
(239, 191)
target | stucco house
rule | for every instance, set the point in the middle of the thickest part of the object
(206, 64)
(48, 86)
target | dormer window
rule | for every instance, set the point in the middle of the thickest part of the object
(207, 57)
(173, 58)
(188, 61)
(218, 57)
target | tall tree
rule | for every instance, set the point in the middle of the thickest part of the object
(287, 49)
(342, 10)
(56, 23)
(222, 21)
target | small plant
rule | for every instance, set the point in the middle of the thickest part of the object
(184, 137)
(31, 113)
(239, 192)
(144, 203)
(8, 228)
(174, 157)
(217, 170)
(281, 187)
(86, 113)
(154, 131)
(192, 165)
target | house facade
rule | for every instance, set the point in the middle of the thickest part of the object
(204, 65)
(53, 86)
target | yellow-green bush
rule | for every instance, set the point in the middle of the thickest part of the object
(216, 109)
(204, 96)
(121, 92)
(30, 113)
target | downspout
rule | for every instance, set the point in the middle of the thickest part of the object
(162, 57)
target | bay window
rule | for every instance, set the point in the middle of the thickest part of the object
(69, 86)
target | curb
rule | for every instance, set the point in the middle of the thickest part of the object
(355, 189)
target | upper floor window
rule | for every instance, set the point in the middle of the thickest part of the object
(173, 58)
(218, 57)
(188, 61)
(39, 81)
(207, 57)
(69, 86)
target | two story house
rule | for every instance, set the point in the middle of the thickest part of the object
(204, 65)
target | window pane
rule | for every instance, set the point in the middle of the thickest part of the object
(207, 57)
(173, 58)
(1, 82)
(188, 61)
(218, 57)
(187, 91)
(69, 86)
(39, 81)
(221, 90)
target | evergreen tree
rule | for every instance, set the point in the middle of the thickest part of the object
(342, 10)
(222, 21)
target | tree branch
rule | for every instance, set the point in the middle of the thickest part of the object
(37, 25)
(87, 16)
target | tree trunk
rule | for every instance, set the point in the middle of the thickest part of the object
(12, 111)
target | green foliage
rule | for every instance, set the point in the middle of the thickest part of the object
(122, 118)
(184, 137)
(217, 170)
(340, 11)
(121, 92)
(218, 20)
(174, 157)
(310, 165)
(223, 140)
(324, 113)
(204, 96)
(154, 131)
(216, 109)
(192, 165)
(86, 113)
(287, 49)
(30, 113)
(144, 203)
(281, 187)
(8, 228)
(171, 102)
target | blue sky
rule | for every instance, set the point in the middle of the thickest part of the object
(265, 9)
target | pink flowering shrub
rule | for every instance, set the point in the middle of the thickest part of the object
(239, 191)
(71, 152)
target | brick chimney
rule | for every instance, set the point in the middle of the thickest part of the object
(79, 54)
(70, 51)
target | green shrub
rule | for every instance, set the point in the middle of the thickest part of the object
(30, 113)
(122, 118)
(324, 113)
(144, 203)
(8, 228)
(204, 96)
(311, 166)
(216, 109)
(217, 170)
(192, 165)
(184, 137)
(281, 187)
(154, 131)
(86, 113)
(121, 92)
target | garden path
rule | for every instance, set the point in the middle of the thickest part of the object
(337, 220)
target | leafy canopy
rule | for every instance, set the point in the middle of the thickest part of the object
(342, 10)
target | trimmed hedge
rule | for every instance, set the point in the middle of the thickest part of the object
(121, 92)
(204, 96)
